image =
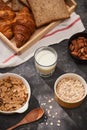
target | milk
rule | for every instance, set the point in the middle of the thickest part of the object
(45, 61)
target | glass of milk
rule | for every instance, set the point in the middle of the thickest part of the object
(45, 61)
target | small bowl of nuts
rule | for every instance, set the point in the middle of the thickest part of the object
(70, 90)
(15, 93)
(78, 47)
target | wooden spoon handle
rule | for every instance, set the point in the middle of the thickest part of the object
(18, 124)
(23, 121)
(32, 116)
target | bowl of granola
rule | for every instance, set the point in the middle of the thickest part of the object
(77, 47)
(70, 90)
(15, 93)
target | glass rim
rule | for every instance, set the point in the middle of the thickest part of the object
(45, 48)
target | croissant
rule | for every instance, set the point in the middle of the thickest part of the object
(6, 20)
(5, 29)
(23, 27)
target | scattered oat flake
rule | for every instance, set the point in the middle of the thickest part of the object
(50, 115)
(48, 111)
(43, 104)
(51, 123)
(45, 117)
(46, 123)
(56, 113)
(45, 120)
(50, 107)
(49, 101)
(53, 116)
(58, 124)
(59, 121)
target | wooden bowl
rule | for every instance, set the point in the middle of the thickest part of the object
(66, 90)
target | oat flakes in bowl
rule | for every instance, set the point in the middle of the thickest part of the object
(14, 93)
(70, 90)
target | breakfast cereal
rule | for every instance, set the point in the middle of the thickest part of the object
(13, 93)
(70, 89)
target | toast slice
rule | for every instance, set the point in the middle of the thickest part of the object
(46, 11)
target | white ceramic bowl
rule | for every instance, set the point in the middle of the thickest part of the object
(60, 99)
(26, 105)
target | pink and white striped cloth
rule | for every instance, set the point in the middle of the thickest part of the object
(63, 31)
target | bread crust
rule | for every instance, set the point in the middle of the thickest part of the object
(46, 11)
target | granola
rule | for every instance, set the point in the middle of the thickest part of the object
(13, 92)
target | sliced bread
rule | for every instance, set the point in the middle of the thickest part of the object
(46, 11)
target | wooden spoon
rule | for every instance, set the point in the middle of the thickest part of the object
(32, 116)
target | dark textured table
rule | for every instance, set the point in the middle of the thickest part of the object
(56, 117)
